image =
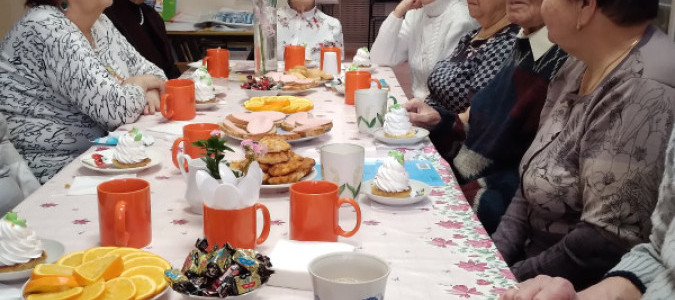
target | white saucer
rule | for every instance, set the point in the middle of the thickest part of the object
(420, 134)
(418, 191)
(88, 162)
(54, 251)
(284, 187)
(206, 106)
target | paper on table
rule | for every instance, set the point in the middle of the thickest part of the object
(291, 260)
(420, 170)
(173, 127)
(86, 185)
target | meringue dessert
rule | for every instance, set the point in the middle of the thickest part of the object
(204, 90)
(130, 152)
(20, 249)
(391, 179)
(362, 58)
(397, 124)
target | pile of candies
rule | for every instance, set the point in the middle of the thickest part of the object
(220, 272)
(262, 84)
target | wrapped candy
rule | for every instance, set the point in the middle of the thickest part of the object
(221, 272)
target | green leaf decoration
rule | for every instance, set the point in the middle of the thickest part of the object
(341, 189)
(372, 123)
(353, 67)
(14, 218)
(354, 191)
(397, 155)
(394, 98)
(380, 118)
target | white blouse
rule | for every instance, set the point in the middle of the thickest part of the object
(424, 37)
(313, 28)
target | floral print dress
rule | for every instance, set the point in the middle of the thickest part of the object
(312, 28)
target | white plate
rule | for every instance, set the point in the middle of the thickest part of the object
(284, 187)
(206, 106)
(248, 296)
(88, 162)
(418, 191)
(420, 134)
(54, 251)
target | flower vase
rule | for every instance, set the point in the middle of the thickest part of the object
(265, 36)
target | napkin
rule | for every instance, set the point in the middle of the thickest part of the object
(9, 293)
(173, 127)
(291, 260)
(86, 185)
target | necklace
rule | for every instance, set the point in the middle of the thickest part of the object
(142, 17)
(586, 88)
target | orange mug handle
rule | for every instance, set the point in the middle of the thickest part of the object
(266, 223)
(379, 86)
(121, 234)
(351, 202)
(204, 60)
(174, 153)
(163, 106)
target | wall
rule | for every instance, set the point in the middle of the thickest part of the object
(199, 7)
(9, 14)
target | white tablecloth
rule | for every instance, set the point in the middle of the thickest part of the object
(437, 249)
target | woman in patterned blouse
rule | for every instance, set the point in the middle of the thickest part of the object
(303, 23)
(589, 181)
(477, 58)
(69, 76)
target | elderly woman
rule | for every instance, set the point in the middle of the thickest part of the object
(485, 149)
(429, 32)
(589, 181)
(68, 76)
(477, 58)
(645, 272)
(144, 28)
(303, 23)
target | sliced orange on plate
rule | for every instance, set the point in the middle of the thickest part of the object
(153, 272)
(72, 259)
(147, 261)
(69, 294)
(119, 288)
(50, 284)
(145, 286)
(106, 267)
(96, 252)
(93, 291)
(44, 270)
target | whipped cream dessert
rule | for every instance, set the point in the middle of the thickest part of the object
(130, 149)
(391, 177)
(396, 123)
(18, 242)
(362, 57)
(204, 90)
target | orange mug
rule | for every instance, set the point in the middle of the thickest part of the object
(314, 212)
(178, 101)
(332, 49)
(217, 62)
(356, 80)
(124, 213)
(237, 227)
(192, 133)
(294, 55)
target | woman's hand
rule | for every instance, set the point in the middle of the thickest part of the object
(464, 117)
(542, 287)
(421, 114)
(146, 82)
(152, 106)
(405, 6)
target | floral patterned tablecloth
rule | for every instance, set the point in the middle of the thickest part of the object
(437, 249)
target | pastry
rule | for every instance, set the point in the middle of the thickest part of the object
(130, 152)
(20, 249)
(204, 90)
(397, 124)
(391, 179)
(362, 58)
(275, 144)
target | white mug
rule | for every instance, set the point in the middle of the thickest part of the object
(342, 164)
(348, 275)
(330, 64)
(192, 194)
(371, 105)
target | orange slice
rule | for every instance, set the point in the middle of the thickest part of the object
(50, 284)
(124, 251)
(145, 286)
(138, 254)
(119, 289)
(147, 261)
(72, 259)
(96, 252)
(68, 294)
(44, 270)
(93, 291)
(154, 272)
(106, 267)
